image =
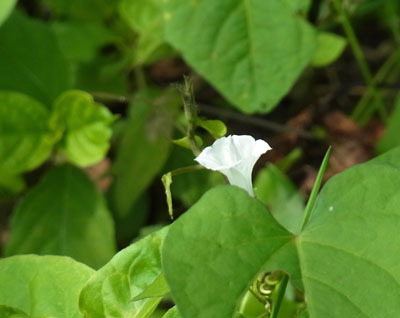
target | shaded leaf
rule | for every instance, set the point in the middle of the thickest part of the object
(80, 41)
(41, 286)
(83, 11)
(64, 215)
(143, 148)
(281, 197)
(251, 51)
(10, 312)
(41, 73)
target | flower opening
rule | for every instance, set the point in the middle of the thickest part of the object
(235, 157)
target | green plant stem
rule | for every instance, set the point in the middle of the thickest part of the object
(360, 58)
(140, 78)
(279, 298)
(190, 109)
(316, 187)
(187, 169)
(360, 113)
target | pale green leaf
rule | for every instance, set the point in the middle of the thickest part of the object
(251, 51)
(111, 291)
(345, 258)
(185, 142)
(6, 6)
(63, 215)
(216, 128)
(329, 47)
(42, 286)
(172, 313)
(26, 138)
(167, 181)
(31, 61)
(87, 127)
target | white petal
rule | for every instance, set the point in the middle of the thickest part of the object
(234, 156)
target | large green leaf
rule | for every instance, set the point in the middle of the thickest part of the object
(30, 59)
(64, 215)
(87, 127)
(111, 291)
(26, 138)
(251, 51)
(41, 286)
(346, 258)
(143, 148)
(6, 6)
(217, 247)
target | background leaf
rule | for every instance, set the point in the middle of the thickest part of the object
(251, 51)
(64, 215)
(26, 138)
(87, 127)
(144, 147)
(41, 73)
(146, 18)
(329, 47)
(110, 292)
(280, 196)
(42, 286)
(80, 42)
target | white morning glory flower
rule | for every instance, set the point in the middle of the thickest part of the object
(235, 157)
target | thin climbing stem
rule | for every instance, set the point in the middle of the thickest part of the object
(360, 58)
(190, 108)
(316, 187)
(361, 111)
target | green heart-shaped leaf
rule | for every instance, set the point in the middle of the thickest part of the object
(346, 257)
